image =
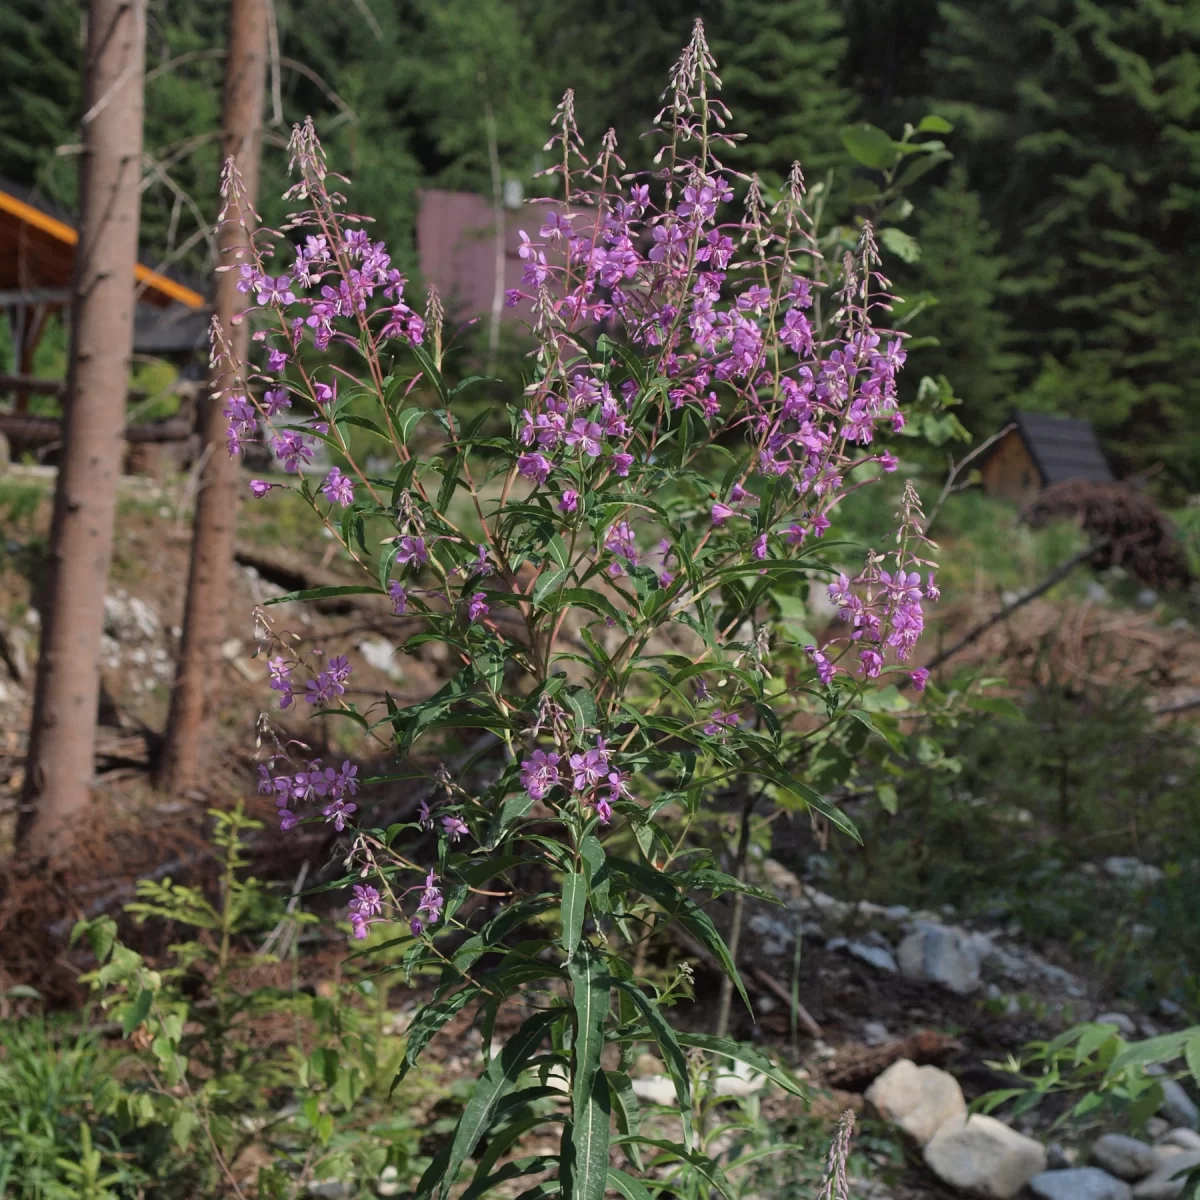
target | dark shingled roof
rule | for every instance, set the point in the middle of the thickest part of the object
(1063, 448)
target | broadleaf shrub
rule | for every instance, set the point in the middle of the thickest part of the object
(603, 563)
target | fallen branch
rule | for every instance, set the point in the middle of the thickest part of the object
(44, 431)
(1056, 576)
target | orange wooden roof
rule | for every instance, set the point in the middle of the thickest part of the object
(37, 250)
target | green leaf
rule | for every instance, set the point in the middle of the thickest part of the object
(627, 1106)
(672, 1052)
(501, 1075)
(137, 1012)
(574, 904)
(755, 1059)
(548, 581)
(1153, 1050)
(365, 423)
(322, 593)
(629, 1187)
(427, 1022)
(511, 1170)
(931, 123)
(870, 146)
(903, 245)
(700, 925)
(1191, 1052)
(407, 421)
(183, 1125)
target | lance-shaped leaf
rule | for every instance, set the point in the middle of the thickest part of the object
(574, 904)
(728, 1048)
(628, 1187)
(427, 1022)
(589, 1102)
(501, 1075)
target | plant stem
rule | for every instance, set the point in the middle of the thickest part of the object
(739, 906)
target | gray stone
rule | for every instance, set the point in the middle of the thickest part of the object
(129, 618)
(917, 1100)
(1156, 1127)
(1185, 1139)
(983, 1156)
(876, 956)
(875, 1033)
(1178, 1106)
(1124, 1157)
(1133, 870)
(943, 954)
(1079, 1183)
(1162, 1184)
(1125, 1026)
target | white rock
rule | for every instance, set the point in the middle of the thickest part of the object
(1124, 1157)
(1079, 1183)
(943, 954)
(381, 654)
(389, 1183)
(1185, 1139)
(983, 1156)
(918, 1100)
(876, 956)
(129, 618)
(1125, 1026)
(1178, 1106)
(1133, 870)
(1162, 1184)
(655, 1089)
(738, 1080)
(329, 1189)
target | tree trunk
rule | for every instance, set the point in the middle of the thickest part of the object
(62, 738)
(189, 726)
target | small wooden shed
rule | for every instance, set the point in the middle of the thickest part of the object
(1040, 450)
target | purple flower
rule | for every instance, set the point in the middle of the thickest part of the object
(589, 767)
(477, 607)
(870, 663)
(539, 773)
(919, 677)
(291, 448)
(275, 401)
(454, 828)
(412, 551)
(429, 910)
(338, 488)
(365, 907)
(275, 291)
(720, 723)
(534, 466)
(260, 488)
(276, 361)
(760, 547)
(398, 596)
(329, 683)
(569, 501)
(280, 673)
(424, 816)
(721, 513)
(825, 669)
(338, 812)
(622, 463)
(586, 435)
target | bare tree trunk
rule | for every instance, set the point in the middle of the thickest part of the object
(62, 738)
(498, 232)
(215, 523)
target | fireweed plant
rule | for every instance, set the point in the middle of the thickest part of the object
(705, 389)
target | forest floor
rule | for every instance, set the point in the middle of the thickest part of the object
(860, 1015)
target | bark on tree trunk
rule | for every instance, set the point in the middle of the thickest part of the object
(214, 526)
(58, 775)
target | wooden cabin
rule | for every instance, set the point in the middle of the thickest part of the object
(1040, 450)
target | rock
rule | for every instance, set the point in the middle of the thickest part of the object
(875, 1033)
(918, 1100)
(1058, 1158)
(1163, 1184)
(381, 654)
(1125, 1026)
(1079, 1183)
(876, 956)
(1185, 1139)
(780, 878)
(1133, 870)
(777, 935)
(655, 1089)
(129, 618)
(1124, 1157)
(389, 1183)
(1178, 1106)
(1169, 1008)
(739, 1080)
(983, 1156)
(943, 954)
(329, 1189)
(896, 912)
(1156, 1127)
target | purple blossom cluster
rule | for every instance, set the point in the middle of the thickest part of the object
(323, 688)
(591, 775)
(315, 783)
